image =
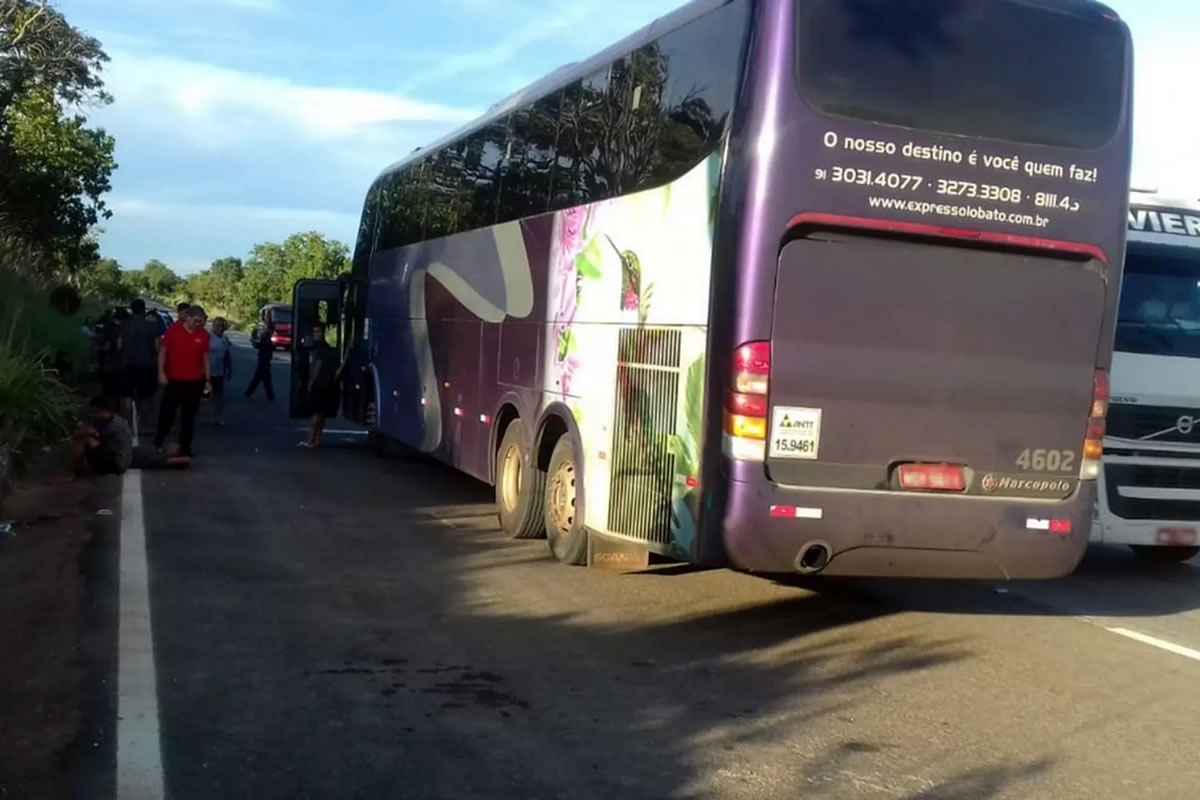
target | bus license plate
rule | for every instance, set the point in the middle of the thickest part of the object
(795, 432)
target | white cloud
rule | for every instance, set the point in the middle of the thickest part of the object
(150, 209)
(216, 107)
(1166, 119)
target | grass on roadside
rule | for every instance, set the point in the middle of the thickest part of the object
(37, 406)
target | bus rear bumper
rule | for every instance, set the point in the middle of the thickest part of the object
(768, 528)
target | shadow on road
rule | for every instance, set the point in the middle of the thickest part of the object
(330, 624)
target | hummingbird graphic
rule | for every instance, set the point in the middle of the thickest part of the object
(631, 277)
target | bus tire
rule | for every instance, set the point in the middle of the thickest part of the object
(565, 532)
(520, 486)
(1166, 553)
(376, 443)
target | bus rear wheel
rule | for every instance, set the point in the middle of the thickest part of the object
(519, 487)
(1172, 553)
(565, 533)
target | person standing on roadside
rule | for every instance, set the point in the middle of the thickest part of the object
(323, 375)
(139, 359)
(183, 371)
(112, 375)
(220, 366)
(262, 369)
(181, 310)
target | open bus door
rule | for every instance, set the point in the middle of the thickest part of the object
(358, 389)
(313, 301)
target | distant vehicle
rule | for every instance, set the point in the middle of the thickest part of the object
(281, 315)
(1149, 494)
(823, 286)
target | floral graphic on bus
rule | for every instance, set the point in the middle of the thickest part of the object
(578, 259)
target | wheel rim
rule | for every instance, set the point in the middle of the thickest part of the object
(510, 478)
(562, 498)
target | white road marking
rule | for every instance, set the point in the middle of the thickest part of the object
(1161, 644)
(139, 751)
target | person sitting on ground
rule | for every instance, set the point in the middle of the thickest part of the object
(103, 441)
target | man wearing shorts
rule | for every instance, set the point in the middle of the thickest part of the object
(323, 391)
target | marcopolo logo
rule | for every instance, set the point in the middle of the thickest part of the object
(1056, 487)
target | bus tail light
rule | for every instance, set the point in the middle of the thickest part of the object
(932, 477)
(746, 403)
(1093, 444)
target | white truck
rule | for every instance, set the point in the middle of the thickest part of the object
(1149, 484)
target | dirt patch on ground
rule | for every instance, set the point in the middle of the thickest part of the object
(42, 591)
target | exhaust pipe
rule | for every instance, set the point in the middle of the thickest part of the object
(812, 558)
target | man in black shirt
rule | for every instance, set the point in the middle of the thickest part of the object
(323, 376)
(262, 370)
(139, 359)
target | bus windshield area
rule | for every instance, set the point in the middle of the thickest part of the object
(1160, 304)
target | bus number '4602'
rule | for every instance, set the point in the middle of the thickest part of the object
(1047, 460)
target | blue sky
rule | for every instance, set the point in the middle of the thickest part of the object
(240, 121)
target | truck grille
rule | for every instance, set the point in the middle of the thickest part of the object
(1151, 477)
(644, 419)
(1144, 422)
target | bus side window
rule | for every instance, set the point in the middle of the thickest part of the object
(477, 186)
(593, 184)
(645, 97)
(441, 216)
(701, 60)
(412, 201)
(492, 142)
(565, 191)
(516, 185)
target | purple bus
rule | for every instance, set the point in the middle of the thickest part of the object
(816, 286)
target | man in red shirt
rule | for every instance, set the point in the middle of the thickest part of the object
(183, 371)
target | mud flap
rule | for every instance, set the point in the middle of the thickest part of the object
(613, 553)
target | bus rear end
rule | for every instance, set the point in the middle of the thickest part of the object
(928, 263)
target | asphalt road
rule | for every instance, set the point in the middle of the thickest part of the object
(333, 625)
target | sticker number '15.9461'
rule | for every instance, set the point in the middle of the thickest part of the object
(795, 432)
(1047, 460)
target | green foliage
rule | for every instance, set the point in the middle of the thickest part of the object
(685, 446)
(53, 168)
(237, 289)
(155, 281)
(35, 405)
(35, 343)
(105, 280)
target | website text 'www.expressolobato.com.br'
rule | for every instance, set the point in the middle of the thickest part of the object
(974, 212)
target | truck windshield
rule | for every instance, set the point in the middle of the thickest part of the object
(1160, 303)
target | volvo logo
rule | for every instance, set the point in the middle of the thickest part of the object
(1184, 425)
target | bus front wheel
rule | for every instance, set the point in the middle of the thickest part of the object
(519, 487)
(1166, 553)
(565, 532)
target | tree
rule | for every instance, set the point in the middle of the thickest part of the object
(155, 281)
(53, 168)
(273, 268)
(104, 279)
